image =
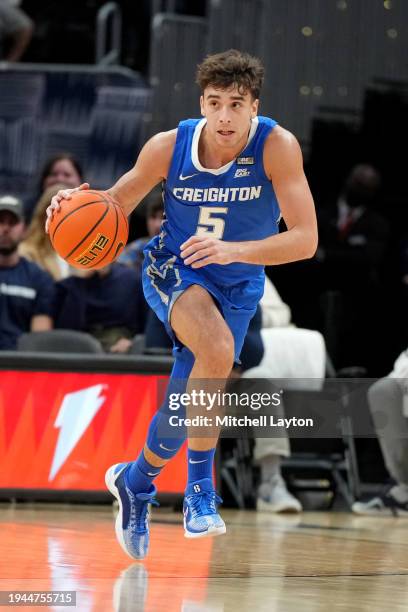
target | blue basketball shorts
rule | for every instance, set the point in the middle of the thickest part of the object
(166, 277)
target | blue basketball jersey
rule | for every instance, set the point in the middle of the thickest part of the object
(233, 203)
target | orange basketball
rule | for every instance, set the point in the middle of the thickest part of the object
(90, 230)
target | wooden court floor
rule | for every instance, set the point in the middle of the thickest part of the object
(313, 562)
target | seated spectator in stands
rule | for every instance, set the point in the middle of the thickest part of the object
(352, 235)
(61, 169)
(388, 402)
(271, 312)
(273, 495)
(16, 30)
(275, 313)
(37, 247)
(107, 303)
(353, 238)
(132, 255)
(26, 291)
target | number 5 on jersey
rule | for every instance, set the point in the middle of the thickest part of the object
(209, 224)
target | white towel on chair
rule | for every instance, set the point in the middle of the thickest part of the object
(295, 358)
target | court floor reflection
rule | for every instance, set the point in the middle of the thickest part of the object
(316, 562)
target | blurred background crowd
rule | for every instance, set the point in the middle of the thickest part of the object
(84, 84)
(65, 117)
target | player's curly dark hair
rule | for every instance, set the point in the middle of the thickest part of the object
(229, 69)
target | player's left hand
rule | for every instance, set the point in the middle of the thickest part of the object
(62, 194)
(200, 251)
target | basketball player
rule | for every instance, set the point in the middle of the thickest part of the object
(227, 179)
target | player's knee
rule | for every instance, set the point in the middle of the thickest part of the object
(217, 351)
(385, 398)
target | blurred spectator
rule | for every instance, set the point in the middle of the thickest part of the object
(63, 169)
(107, 303)
(388, 401)
(26, 291)
(37, 246)
(16, 30)
(273, 495)
(271, 312)
(352, 235)
(290, 354)
(352, 242)
(275, 313)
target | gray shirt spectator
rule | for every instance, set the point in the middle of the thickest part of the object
(16, 29)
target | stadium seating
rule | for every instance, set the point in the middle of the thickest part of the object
(59, 341)
(21, 94)
(98, 115)
(117, 132)
(172, 68)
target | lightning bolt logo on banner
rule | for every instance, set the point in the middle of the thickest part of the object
(74, 417)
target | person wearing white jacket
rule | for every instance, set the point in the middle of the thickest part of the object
(388, 401)
(275, 313)
(273, 495)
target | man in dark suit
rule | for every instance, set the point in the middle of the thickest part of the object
(353, 240)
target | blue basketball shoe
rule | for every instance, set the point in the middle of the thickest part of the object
(132, 521)
(200, 511)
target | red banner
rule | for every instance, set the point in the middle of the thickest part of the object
(63, 430)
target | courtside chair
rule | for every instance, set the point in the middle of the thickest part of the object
(59, 341)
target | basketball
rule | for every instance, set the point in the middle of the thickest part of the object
(90, 230)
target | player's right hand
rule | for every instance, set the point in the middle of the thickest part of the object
(63, 194)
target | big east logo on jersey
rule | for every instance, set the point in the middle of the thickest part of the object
(240, 172)
(218, 194)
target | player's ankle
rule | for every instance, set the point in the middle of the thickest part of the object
(141, 474)
(200, 464)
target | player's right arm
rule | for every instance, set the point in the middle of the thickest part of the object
(151, 168)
